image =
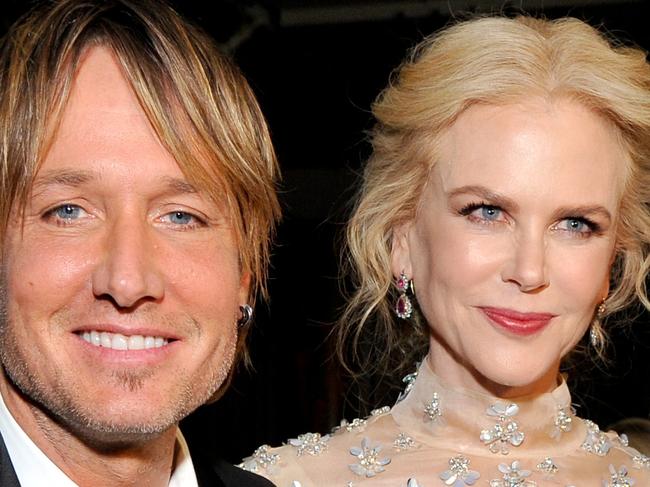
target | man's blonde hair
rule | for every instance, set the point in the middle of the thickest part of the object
(198, 103)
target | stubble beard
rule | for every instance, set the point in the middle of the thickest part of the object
(56, 402)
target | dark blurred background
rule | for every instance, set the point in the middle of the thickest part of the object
(316, 66)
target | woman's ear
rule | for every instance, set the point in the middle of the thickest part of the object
(400, 251)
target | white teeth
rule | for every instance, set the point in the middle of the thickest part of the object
(120, 342)
(117, 341)
(136, 342)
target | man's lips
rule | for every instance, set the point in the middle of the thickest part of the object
(517, 322)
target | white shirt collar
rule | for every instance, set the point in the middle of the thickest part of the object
(32, 465)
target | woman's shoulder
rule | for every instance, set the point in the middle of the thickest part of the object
(361, 446)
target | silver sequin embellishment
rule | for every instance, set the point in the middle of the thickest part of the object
(356, 425)
(459, 474)
(562, 422)
(618, 478)
(409, 380)
(513, 476)
(369, 463)
(311, 443)
(432, 408)
(641, 461)
(380, 411)
(505, 432)
(261, 458)
(547, 466)
(596, 441)
(403, 442)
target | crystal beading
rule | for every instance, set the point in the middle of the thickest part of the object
(432, 408)
(311, 443)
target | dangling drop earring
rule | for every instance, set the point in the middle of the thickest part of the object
(403, 305)
(595, 330)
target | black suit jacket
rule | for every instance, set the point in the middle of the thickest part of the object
(209, 474)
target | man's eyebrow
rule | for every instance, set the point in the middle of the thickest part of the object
(78, 177)
(65, 177)
(484, 193)
(179, 185)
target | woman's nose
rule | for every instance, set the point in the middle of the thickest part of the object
(527, 265)
(127, 273)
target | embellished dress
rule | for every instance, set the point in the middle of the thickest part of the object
(436, 435)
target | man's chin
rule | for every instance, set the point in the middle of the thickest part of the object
(114, 437)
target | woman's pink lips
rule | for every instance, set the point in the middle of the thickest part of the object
(517, 322)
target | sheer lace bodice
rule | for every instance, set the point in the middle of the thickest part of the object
(438, 435)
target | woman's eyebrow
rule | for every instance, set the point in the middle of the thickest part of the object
(482, 192)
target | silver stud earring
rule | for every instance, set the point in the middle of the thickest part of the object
(246, 315)
(403, 305)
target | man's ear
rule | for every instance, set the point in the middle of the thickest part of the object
(401, 251)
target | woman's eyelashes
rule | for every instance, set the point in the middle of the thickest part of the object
(486, 214)
(579, 226)
(482, 212)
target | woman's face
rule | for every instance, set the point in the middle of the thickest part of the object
(511, 247)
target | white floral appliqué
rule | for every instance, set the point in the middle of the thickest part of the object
(596, 441)
(618, 478)
(562, 422)
(311, 443)
(459, 474)
(505, 432)
(513, 476)
(369, 464)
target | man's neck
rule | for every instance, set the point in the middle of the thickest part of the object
(136, 463)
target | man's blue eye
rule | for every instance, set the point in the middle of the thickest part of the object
(180, 218)
(67, 212)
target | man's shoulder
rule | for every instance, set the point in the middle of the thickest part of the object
(234, 476)
(8, 476)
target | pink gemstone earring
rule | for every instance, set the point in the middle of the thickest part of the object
(403, 306)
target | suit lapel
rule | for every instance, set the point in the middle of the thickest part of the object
(7, 473)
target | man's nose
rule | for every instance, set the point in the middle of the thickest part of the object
(527, 263)
(127, 272)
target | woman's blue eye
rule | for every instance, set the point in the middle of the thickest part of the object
(576, 225)
(490, 212)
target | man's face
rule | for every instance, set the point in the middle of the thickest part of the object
(122, 286)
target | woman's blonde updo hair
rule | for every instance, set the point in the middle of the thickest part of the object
(496, 61)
